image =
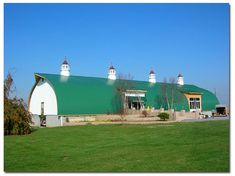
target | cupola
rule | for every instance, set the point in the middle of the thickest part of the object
(180, 79)
(152, 77)
(65, 68)
(112, 73)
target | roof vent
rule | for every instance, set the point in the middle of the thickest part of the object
(180, 79)
(65, 68)
(152, 77)
(112, 73)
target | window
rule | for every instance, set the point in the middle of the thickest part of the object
(42, 107)
(194, 103)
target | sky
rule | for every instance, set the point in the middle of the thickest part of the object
(191, 39)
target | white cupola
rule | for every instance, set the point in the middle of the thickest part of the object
(65, 68)
(112, 73)
(152, 77)
(180, 79)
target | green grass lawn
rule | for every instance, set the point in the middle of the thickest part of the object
(176, 147)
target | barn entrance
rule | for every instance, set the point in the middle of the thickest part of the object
(135, 103)
(135, 99)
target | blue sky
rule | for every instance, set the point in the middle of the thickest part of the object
(192, 39)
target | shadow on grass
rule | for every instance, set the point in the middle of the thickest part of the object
(34, 129)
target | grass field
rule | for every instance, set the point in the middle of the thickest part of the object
(176, 147)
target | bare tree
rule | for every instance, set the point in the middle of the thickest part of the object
(124, 83)
(165, 97)
(168, 92)
(173, 87)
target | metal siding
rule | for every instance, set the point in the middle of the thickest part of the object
(89, 95)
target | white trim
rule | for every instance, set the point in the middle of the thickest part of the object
(134, 94)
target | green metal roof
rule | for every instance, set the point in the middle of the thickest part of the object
(90, 95)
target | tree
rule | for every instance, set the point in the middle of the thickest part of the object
(169, 91)
(165, 97)
(124, 83)
(172, 90)
(16, 117)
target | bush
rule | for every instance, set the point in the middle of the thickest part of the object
(163, 116)
(66, 119)
(145, 113)
(16, 117)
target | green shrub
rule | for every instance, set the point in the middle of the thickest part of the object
(163, 116)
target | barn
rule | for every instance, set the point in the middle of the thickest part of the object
(64, 94)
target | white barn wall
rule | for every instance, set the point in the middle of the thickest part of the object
(43, 92)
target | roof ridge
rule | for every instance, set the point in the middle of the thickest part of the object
(106, 78)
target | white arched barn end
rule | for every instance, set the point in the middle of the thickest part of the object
(42, 99)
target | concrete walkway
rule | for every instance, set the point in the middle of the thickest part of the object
(142, 122)
(119, 122)
(208, 119)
